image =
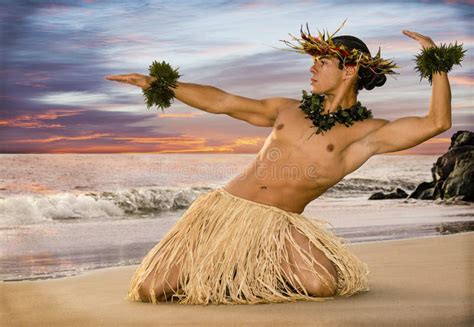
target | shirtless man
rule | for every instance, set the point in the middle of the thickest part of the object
(295, 166)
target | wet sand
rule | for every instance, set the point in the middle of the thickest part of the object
(424, 282)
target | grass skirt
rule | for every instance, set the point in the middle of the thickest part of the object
(233, 253)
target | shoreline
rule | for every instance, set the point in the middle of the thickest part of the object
(83, 262)
(423, 281)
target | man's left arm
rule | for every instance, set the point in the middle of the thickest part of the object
(407, 132)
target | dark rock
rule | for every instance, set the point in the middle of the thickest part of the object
(461, 180)
(461, 138)
(377, 196)
(453, 172)
(398, 194)
(401, 194)
(423, 191)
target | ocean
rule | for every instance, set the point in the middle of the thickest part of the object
(62, 214)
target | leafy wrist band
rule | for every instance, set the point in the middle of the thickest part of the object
(160, 92)
(438, 59)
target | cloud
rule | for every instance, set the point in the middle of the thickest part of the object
(241, 145)
(462, 80)
(39, 120)
(55, 55)
(62, 138)
(180, 115)
(82, 98)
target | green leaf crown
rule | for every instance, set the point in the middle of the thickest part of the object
(323, 45)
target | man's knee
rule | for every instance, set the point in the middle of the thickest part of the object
(144, 291)
(315, 287)
(162, 285)
(321, 291)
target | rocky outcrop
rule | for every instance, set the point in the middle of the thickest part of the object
(453, 174)
(397, 194)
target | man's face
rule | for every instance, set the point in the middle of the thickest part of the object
(326, 75)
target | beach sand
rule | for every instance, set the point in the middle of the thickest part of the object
(415, 282)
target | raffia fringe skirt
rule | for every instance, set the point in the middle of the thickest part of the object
(233, 250)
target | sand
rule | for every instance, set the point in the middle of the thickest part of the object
(416, 282)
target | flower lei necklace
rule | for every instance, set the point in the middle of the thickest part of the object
(312, 106)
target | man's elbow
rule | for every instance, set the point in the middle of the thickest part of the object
(439, 124)
(444, 127)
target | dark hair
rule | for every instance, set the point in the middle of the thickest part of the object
(366, 78)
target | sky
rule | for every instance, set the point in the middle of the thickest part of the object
(54, 56)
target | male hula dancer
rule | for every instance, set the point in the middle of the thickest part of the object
(248, 242)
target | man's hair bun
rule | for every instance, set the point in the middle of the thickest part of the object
(367, 79)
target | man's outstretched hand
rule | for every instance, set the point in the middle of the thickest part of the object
(142, 81)
(425, 41)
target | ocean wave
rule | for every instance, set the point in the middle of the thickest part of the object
(349, 187)
(79, 205)
(27, 209)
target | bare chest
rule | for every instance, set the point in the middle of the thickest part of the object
(294, 141)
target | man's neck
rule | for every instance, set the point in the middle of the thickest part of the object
(343, 99)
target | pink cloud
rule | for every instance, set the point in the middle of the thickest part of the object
(62, 138)
(181, 115)
(257, 4)
(38, 121)
(462, 80)
(434, 146)
(451, 2)
(226, 49)
(405, 44)
(240, 145)
(96, 149)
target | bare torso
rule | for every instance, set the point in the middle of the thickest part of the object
(294, 167)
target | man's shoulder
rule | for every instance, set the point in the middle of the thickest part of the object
(378, 121)
(285, 106)
(373, 124)
(285, 103)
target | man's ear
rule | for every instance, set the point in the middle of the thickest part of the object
(350, 71)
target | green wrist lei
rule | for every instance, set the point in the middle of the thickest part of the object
(160, 92)
(312, 106)
(438, 59)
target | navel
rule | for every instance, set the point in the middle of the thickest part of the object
(330, 147)
(263, 187)
(280, 126)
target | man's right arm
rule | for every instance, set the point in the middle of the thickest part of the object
(213, 100)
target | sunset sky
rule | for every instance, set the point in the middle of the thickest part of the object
(55, 55)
